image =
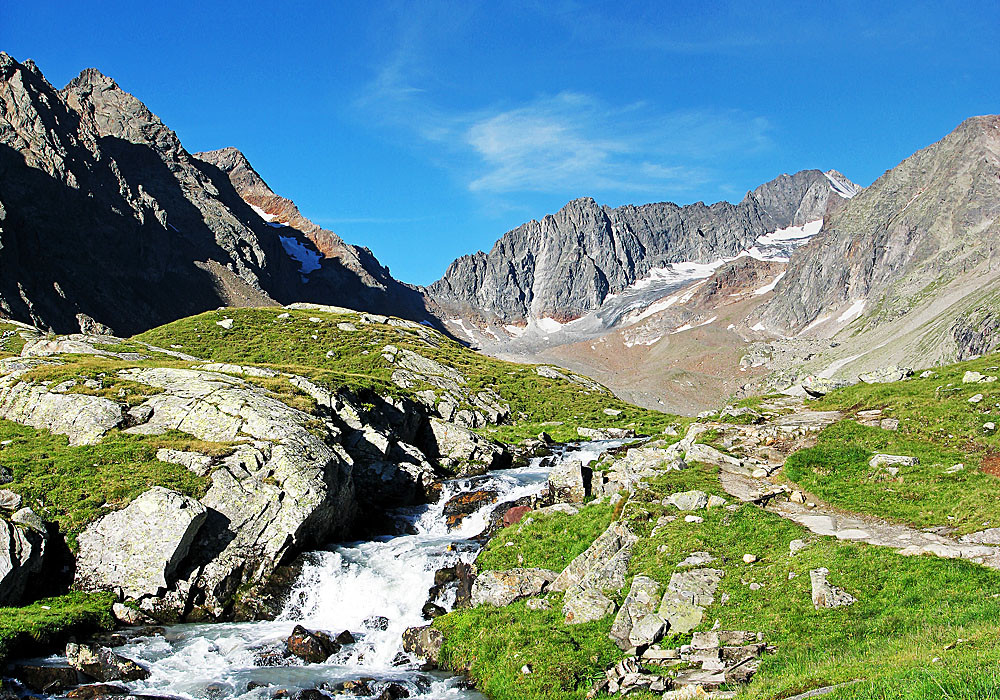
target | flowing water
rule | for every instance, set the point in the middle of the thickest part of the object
(374, 589)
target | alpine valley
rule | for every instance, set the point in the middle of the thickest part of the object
(731, 450)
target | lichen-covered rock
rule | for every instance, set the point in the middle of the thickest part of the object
(567, 483)
(642, 599)
(500, 588)
(464, 504)
(424, 642)
(603, 565)
(84, 419)
(586, 604)
(139, 548)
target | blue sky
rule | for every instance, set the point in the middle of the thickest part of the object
(426, 130)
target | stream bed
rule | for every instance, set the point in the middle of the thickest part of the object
(375, 589)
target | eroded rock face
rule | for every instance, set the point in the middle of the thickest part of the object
(22, 551)
(139, 548)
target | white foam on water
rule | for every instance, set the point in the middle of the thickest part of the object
(346, 587)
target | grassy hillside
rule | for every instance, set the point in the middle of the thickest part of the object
(332, 353)
(921, 627)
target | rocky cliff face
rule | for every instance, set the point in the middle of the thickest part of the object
(339, 272)
(915, 230)
(107, 222)
(567, 264)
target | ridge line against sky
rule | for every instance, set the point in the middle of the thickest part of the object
(424, 131)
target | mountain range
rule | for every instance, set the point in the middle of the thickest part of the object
(108, 224)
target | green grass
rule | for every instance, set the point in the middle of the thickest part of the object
(493, 644)
(935, 409)
(35, 627)
(837, 471)
(549, 541)
(353, 360)
(12, 345)
(910, 610)
(73, 486)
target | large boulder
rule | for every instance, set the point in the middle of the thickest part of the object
(139, 548)
(22, 551)
(459, 448)
(500, 588)
(287, 487)
(603, 565)
(567, 482)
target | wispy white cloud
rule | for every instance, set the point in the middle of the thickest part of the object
(567, 142)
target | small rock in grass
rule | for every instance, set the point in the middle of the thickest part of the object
(972, 378)
(693, 519)
(889, 424)
(9, 500)
(927, 374)
(688, 500)
(226, 323)
(976, 399)
(749, 558)
(883, 459)
(755, 586)
(796, 546)
(284, 315)
(797, 497)
(313, 319)
(990, 426)
(954, 469)
(715, 501)
(825, 595)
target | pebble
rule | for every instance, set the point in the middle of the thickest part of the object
(990, 426)
(755, 586)
(693, 519)
(749, 558)
(976, 399)
(526, 669)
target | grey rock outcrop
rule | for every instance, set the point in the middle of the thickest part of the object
(285, 489)
(500, 588)
(84, 419)
(139, 548)
(642, 600)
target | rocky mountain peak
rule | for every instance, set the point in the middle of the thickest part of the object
(924, 225)
(566, 264)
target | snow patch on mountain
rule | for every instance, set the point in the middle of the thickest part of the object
(307, 259)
